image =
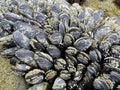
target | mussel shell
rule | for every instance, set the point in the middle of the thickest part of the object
(78, 75)
(5, 26)
(41, 37)
(21, 40)
(12, 16)
(83, 58)
(101, 32)
(26, 56)
(101, 85)
(21, 67)
(26, 10)
(115, 51)
(1, 17)
(9, 52)
(83, 43)
(56, 38)
(103, 82)
(95, 20)
(111, 63)
(108, 40)
(91, 70)
(71, 51)
(87, 78)
(115, 76)
(37, 45)
(98, 16)
(66, 19)
(59, 84)
(68, 40)
(95, 55)
(71, 60)
(71, 68)
(60, 64)
(14, 60)
(23, 53)
(61, 28)
(73, 21)
(75, 32)
(40, 17)
(50, 74)
(1, 32)
(113, 20)
(44, 55)
(44, 61)
(80, 67)
(66, 75)
(41, 86)
(81, 15)
(71, 63)
(25, 28)
(55, 9)
(54, 51)
(35, 76)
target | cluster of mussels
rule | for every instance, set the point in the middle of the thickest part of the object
(58, 46)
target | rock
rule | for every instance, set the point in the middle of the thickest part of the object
(8, 80)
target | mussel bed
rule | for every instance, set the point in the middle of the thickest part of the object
(54, 45)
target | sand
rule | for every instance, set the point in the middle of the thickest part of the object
(8, 79)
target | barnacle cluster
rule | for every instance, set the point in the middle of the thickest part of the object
(58, 46)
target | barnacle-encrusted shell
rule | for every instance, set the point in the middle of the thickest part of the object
(64, 74)
(60, 64)
(50, 74)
